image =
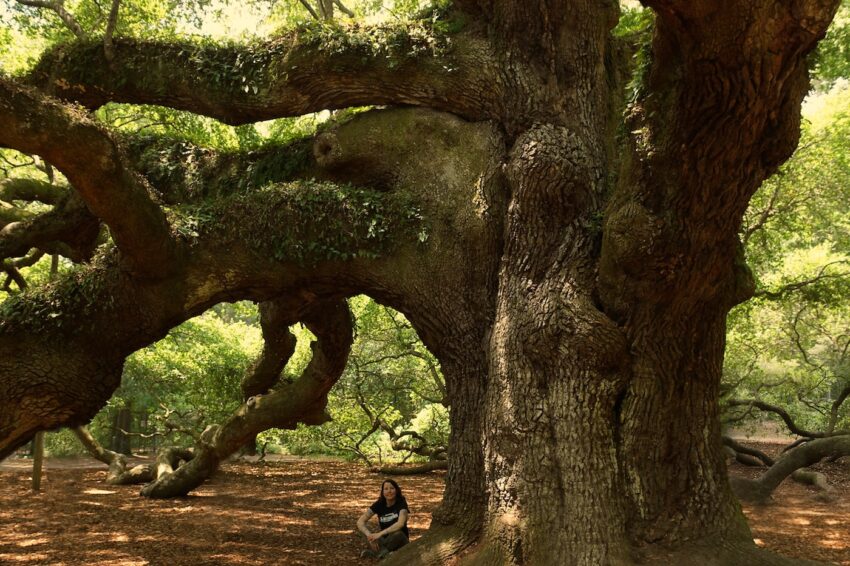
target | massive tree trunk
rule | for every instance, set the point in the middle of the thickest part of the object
(570, 262)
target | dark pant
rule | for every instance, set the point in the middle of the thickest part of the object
(393, 541)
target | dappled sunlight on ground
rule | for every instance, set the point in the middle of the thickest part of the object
(296, 513)
(299, 512)
(796, 522)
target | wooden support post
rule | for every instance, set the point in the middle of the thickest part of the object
(37, 460)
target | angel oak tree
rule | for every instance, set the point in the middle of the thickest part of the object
(570, 259)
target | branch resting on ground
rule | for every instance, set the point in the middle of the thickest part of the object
(806, 455)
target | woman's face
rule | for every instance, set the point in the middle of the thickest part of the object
(389, 491)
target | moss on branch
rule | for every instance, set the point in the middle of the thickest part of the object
(315, 67)
(183, 172)
(307, 222)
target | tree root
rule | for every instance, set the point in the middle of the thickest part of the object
(434, 548)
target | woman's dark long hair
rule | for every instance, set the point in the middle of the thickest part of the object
(398, 495)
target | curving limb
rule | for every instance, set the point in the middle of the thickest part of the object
(303, 400)
(240, 251)
(69, 229)
(31, 190)
(754, 457)
(118, 473)
(97, 169)
(783, 414)
(790, 463)
(278, 345)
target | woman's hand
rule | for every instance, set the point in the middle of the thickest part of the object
(373, 537)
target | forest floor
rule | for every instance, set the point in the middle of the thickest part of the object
(297, 512)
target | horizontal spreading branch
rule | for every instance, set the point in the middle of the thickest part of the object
(309, 238)
(739, 448)
(31, 190)
(321, 67)
(783, 414)
(96, 168)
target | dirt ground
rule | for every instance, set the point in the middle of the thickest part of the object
(294, 512)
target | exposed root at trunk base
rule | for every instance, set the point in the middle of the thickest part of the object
(434, 548)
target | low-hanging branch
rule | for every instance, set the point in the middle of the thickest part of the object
(167, 460)
(303, 400)
(806, 455)
(760, 457)
(259, 244)
(31, 190)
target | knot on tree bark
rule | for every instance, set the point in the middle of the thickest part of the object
(553, 167)
(327, 150)
(631, 242)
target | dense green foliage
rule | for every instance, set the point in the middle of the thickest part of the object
(390, 376)
(789, 345)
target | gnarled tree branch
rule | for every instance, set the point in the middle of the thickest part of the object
(69, 230)
(800, 457)
(301, 401)
(97, 169)
(31, 190)
(783, 414)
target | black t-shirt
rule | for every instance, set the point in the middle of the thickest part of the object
(389, 515)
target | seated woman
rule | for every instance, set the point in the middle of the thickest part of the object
(391, 509)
